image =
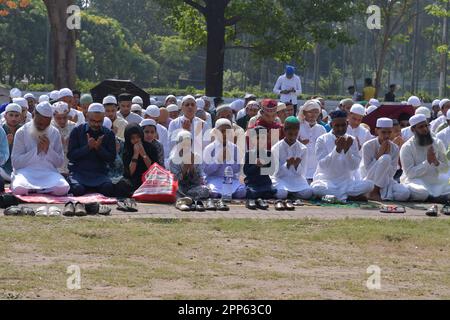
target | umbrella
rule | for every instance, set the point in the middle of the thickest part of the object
(387, 111)
(116, 87)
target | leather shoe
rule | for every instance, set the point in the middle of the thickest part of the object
(251, 204)
(279, 206)
(262, 204)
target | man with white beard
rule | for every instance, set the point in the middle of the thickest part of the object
(36, 156)
(424, 162)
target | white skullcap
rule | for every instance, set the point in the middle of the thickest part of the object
(414, 101)
(200, 104)
(385, 123)
(29, 96)
(61, 107)
(21, 102)
(415, 120)
(136, 107)
(170, 96)
(436, 102)
(178, 103)
(183, 135)
(186, 98)
(237, 105)
(153, 111)
(371, 109)
(311, 105)
(344, 101)
(405, 103)
(153, 101)
(253, 104)
(96, 108)
(172, 108)
(375, 102)
(109, 100)
(281, 106)
(13, 107)
(107, 123)
(222, 122)
(137, 100)
(324, 114)
(15, 93)
(54, 95)
(44, 98)
(45, 109)
(148, 122)
(443, 103)
(65, 92)
(425, 111)
(359, 109)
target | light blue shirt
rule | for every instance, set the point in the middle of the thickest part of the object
(4, 147)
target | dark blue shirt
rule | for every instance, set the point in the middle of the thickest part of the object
(90, 167)
(3, 107)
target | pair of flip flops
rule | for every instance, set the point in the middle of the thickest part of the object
(45, 211)
(392, 209)
(127, 205)
(434, 210)
(286, 205)
(187, 204)
(19, 211)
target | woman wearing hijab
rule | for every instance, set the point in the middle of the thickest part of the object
(138, 156)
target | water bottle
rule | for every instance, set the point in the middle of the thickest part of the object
(227, 190)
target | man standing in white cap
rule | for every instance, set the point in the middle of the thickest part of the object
(36, 156)
(380, 159)
(12, 119)
(423, 160)
(153, 113)
(62, 123)
(406, 132)
(66, 95)
(355, 117)
(444, 105)
(118, 123)
(91, 148)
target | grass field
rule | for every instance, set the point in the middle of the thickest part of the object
(224, 259)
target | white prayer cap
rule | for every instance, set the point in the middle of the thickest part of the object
(148, 122)
(415, 120)
(15, 93)
(107, 123)
(375, 102)
(44, 98)
(45, 109)
(405, 103)
(414, 101)
(186, 98)
(385, 123)
(170, 96)
(29, 96)
(443, 103)
(136, 107)
(324, 114)
(237, 105)
(96, 108)
(153, 111)
(371, 109)
(172, 108)
(183, 135)
(153, 101)
(344, 101)
(311, 105)
(281, 106)
(359, 109)
(137, 100)
(222, 122)
(61, 107)
(65, 92)
(13, 107)
(178, 103)
(21, 102)
(425, 111)
(200, 103)
(54, 95)
(252, 104)
(436, 102)
(109, 100)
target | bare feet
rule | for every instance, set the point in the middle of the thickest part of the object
(374, 196)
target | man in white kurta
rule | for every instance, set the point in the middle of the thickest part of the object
(380, 161)
(444, 105)
(309, 132)
(424, 163)
(153, 112)
(290, 158)
(444, 135)
(36, 156)
(339, 157)
(361, 134)
(406, 132)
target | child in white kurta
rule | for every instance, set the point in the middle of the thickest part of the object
(291, 158)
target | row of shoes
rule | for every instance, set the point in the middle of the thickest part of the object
(77, 209)
(434, 210)
(188, 204)
(280, 205)
(21, 211)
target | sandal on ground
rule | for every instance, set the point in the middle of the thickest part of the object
(210, 205)
(42, 211)
(127, 205)
(289, 205)
(184, 204)
(80, 210)
(221, 206)
(446, 209)
(279, 205)
(433, 211)
(54, 212)
(199, 206)
(392, 209)
(69, 209)
(18, 211)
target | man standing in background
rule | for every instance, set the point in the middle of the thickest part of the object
(289, 87)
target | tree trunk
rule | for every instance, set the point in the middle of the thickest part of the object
(215, 49)
(443, 59)
(62, 44)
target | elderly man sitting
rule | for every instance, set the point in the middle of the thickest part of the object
(91, 148)
(36, 156)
